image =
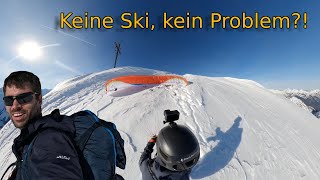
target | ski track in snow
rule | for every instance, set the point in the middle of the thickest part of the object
(104, 107)
(242, 167)
(84, 104)
(6, 159)
(133, 147)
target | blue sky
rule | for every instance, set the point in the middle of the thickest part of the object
(276, 58)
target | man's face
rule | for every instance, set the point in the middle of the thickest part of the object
(20, 114)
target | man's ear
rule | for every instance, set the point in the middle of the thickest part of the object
(40, 99)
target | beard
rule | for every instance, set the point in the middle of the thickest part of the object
(23, 116)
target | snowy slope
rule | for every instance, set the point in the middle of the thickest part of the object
(309, 99)
(4, 118)
(245, 131)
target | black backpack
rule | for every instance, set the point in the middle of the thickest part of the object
(100, 146)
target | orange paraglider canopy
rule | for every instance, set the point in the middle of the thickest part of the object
(122, 81)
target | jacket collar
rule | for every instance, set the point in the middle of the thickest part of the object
(36, 125)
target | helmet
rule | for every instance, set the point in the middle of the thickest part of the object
(177, 148)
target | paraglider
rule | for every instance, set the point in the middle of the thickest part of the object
(134, 83)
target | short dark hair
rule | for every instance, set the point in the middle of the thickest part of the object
(21, 79)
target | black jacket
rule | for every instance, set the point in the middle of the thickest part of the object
(152, 169)
(45, 150)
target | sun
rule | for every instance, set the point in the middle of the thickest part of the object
(29, 50)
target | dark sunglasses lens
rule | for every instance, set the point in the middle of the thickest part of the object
(22, 99)
(8, 101)
(25, 98)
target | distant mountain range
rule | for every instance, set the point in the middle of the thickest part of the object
(4, 118)
(308, 100)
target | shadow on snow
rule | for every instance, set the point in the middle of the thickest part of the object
(222, 153)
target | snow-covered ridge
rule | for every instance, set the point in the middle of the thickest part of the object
(310, 99)
(244, 130)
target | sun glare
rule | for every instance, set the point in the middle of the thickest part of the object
(29, 50)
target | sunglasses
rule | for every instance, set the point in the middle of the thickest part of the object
(21, 98)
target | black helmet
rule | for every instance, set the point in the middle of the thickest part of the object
(177, 148)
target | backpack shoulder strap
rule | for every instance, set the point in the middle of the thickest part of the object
(149, 164)
(86, 135)
(13, 173)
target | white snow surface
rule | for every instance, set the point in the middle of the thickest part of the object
(244, 130)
